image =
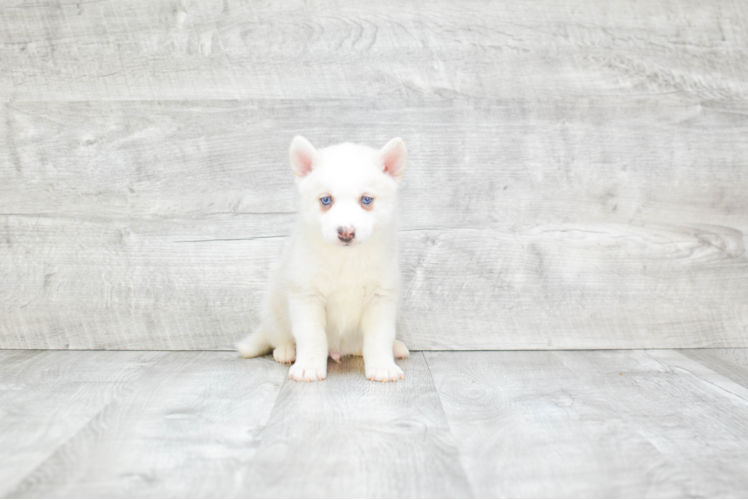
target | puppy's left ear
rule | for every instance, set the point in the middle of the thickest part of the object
(393, 156)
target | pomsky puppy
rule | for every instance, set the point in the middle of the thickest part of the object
(336, 292)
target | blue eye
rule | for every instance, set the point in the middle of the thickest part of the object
(325, 200)
(366, 200)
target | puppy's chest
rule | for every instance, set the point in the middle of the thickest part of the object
(352, 278)
(345, 293)
(344, 308)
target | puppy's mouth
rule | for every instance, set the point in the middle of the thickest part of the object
(350, 243)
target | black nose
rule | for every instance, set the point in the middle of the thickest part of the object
(346, 233)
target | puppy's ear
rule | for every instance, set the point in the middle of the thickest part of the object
(303, 157)
(393, 156)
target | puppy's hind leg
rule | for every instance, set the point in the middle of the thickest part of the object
(255, 345)
(399, 350)
(285, 353)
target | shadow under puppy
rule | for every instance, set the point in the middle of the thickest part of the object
(337, 289)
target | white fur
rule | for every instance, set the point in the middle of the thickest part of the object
(331, 296)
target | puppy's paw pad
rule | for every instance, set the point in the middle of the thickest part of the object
(384, 373)
(307, 372)
(285, 354)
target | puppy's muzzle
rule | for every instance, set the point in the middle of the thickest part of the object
(346, 234)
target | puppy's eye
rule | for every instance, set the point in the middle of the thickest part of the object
(325, 200)
(366, 200)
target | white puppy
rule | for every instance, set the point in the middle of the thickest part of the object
(337, 290)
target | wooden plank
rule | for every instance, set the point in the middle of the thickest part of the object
(11, 361)
(189, 427)
(105, 287)
(730, 363)
(605, 286)
(229, 49)
(471, 163)
(8, 159)
(157, 225)
(348, 437)
(152, 290)
(47, 397)
(594, 424)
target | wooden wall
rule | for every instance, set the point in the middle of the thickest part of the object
(577, 178)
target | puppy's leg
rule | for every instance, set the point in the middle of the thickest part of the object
(308, 327)
(285, 353)
(399, 350)
(378, 325)
(255, 345)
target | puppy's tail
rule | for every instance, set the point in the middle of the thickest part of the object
(255, 345)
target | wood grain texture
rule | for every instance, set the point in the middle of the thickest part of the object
(188, 427)
(730, 363)
(594, 424)
(46, 398)
(348, 437)
(229, 49)
(157, 225)
(644, 424)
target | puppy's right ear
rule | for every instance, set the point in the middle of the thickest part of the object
(303, 157)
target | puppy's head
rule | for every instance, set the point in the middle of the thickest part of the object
(347, 191)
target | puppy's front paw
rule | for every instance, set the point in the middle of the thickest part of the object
(384, 372)
(308, 371)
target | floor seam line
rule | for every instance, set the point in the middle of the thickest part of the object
(449, 427)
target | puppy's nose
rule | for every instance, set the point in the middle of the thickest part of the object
(346, 233)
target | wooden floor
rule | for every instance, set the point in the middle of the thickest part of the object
(641, 423)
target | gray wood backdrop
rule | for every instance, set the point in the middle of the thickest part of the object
(578, 170)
